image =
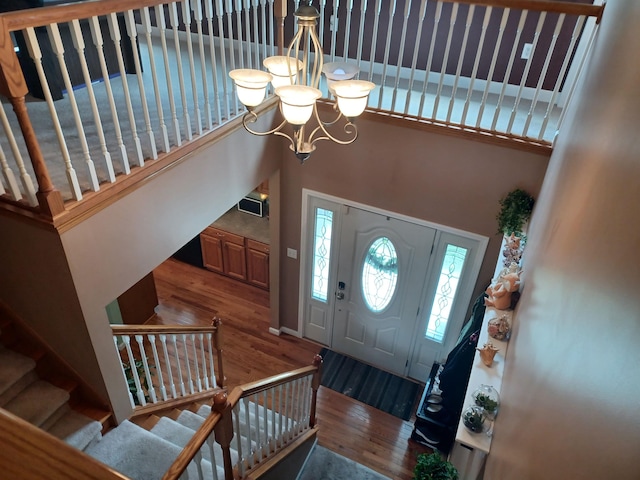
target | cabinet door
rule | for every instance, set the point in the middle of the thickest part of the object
(212, 252)
(234, 256)
(258, 264)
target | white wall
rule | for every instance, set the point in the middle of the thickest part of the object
(571, 391)
(117, 246)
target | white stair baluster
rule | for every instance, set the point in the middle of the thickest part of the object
(212, 457)
(134, 370)
(124, 374)
(416, 50)
(403, 40)
(507, 74)
(272, 28)
(212, 372)
(114, 31)
(196, 362)
(374, 41)
(176, 353)
(205, 377)
(247, 424)
(445, 59)
(197, 459)
(175, 25)
(172, 385)
(247, 31)
(574, 37)
(527, 67)
(334, 31)
(494, 60)
(159, 15)
(263, 23)
(543, 73)
(238, 437)
(223, 57)
(187, 362)
(281, 416)
(485, 24)
(187, 18)
(287, 412)
(256, 29)
(197, 15)
(147, 372)
(9, 177)
(274, 438)
(463, 50)
(265, 420)
(133, 36)
(27, 183)
(240, 48)
(208, 11)
(434, 37)
(78, 43)
(36, 55)
(58, 49)
(147, 29)
(387, 48)
(98, 42)
(232, 48)
(363, 13)
(347, 33)
(156, 359)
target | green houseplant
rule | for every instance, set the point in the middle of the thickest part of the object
(515, 210)
(434, 467)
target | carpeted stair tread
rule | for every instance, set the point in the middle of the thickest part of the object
(38, 402)
(139, 454)
(76, 429)
(180, 435)
(14, 368)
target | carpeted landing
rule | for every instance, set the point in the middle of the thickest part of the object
(324, 464)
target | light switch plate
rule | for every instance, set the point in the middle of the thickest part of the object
(292, 253)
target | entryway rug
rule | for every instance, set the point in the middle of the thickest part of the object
(367, 384)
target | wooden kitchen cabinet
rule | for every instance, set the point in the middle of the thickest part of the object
(257, 263)
(224, 252)
(235, 256)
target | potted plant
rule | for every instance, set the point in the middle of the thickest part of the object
(434, 467)
(473, 418)
(515, 211)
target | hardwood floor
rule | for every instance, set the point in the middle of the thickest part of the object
(192, 296)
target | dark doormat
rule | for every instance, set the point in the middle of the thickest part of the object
(367, 384)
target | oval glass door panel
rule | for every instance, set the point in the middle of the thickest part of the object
(379, 274)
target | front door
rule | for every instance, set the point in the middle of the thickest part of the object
(381, 273)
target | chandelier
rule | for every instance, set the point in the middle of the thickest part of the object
(296, 80)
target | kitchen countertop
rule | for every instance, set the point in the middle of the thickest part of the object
(245, 224)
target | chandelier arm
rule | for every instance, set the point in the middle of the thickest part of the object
(282, 134)
(318, 58)
(251, 117)
(349, 127)
(334, 121)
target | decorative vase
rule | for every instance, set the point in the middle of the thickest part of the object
(487, 352)
(488, 398)
(499, 328)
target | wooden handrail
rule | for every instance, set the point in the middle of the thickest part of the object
(539, 6)
(274, 381)
(159, 329)
(28, 452)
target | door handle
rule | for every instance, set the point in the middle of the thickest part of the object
(340, 295)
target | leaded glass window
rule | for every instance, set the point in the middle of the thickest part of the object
(321, 253)
(380, 274)
(452, 264)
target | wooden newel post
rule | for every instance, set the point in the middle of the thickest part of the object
(280, 12)
(14, 87)
(217, 344)
(315, 384)
(224, 430)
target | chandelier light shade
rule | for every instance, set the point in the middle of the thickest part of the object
(295, 79)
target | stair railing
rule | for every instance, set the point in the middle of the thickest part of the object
(272, 415)
(164, 363)
(121, 84)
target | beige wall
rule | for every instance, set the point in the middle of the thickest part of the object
(571, 391)
(117, 246)
(440, 178)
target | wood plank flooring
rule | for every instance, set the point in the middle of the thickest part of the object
(192, 296)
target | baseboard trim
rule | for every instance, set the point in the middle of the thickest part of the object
(274, 331)
(289, 331)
